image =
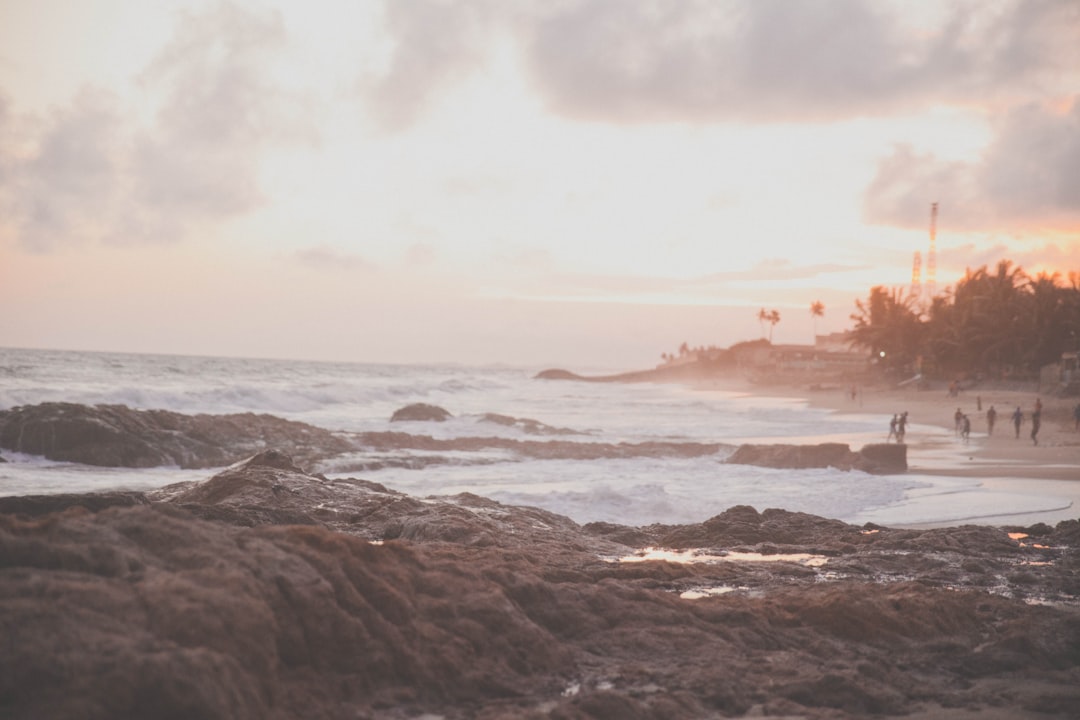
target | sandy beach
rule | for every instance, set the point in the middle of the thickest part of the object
(1002, 462)
(1004, 452)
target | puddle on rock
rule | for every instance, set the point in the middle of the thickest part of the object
(701, 556)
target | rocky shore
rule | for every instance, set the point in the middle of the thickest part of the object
(269, 592)
(119, 436)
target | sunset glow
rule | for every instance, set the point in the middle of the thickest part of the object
(582, 183)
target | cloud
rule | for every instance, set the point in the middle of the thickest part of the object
(324, 257)
(96, 170)
(436, 44)
(706, 61)
(781, 269)
(547, 281)
(420, 254)
(59, 191)
(1037, 258)
(1027, 178)
(772, 60)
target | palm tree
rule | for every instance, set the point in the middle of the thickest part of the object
(817, 309)
(772, 317)
(762, 318)
(889, 327)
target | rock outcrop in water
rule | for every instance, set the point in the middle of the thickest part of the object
(118, 436)
(260, 594)
(878, 458)
(421, 412)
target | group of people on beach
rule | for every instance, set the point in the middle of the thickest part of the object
(1036, 420)
(898, 427)
(963, 422)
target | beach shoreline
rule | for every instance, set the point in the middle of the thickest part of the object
(1002, 463)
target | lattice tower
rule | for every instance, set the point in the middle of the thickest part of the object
(916, 276)
(931, 257)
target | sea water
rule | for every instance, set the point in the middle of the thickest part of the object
(357, 397)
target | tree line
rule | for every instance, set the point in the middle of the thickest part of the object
(999, 323)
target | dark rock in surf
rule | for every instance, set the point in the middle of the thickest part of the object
(420, 412)
(882, 458)
(531, 427)
(877, 459)
(118, 436)
(557, 374)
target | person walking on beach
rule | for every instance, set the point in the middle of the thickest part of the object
(1036, 422)
(901, 427)
(958, 417)
(892, 428)
(1018, 420)
(965, 428)
(991, 418)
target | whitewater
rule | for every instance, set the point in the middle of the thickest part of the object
(357, 397)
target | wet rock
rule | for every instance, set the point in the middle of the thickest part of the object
(546, 449)
(258, 594)
(421, 412)
(557, 374)
(117, 436)
(36, 505)
(882, 458)
(877, 458)
(532, 427)
(143, 614)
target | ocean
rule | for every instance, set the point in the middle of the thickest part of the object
(359, 397)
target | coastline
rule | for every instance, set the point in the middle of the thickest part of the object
(999, 465)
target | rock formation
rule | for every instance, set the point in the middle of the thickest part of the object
(526, 425)
(421, 412)
(268, 592)
(117, 436)
(877, 458)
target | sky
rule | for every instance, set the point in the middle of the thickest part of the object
(581, 183)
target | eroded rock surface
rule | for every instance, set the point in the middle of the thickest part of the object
(259, 593)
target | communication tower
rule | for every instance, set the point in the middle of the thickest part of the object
(916, 276)
(931, 257)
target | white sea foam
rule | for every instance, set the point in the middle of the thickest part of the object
(638, 491)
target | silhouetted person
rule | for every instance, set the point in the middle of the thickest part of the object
(901, 427)
(958, 417)
(965, 428)
(1018, 420)
(1036, 422)
(892, 428)
(991, 418)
